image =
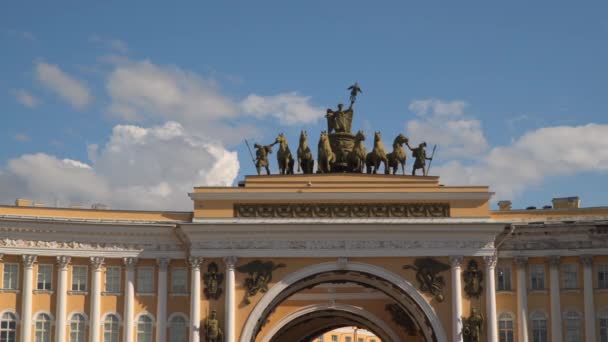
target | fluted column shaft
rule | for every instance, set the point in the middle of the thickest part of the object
(195, 298)
(129, 325)
(587, 261)
(62, 294)
(490, 262)
(554, 294)
(522, 299)
(26, 300)
(95, 315)
(456, 262)
(230, 299)
(161, 306)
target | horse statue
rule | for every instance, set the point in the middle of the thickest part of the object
(376, 156)
(397, 157)
(306, 161)
(326, 156)
(356, 158)
(284, 156)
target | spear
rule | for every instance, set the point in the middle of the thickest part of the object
(431, 161)
(250, 153)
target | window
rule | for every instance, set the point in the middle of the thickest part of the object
(45, 277)
(503, 278)
(79, 278)
(573, 327)
(505, 328)
(144, 329)
(8, 327)
(11, 276)
(43, 328)
(113, 279)
(110, 329)
(604, 326)
(145, 280)
(320, 339)
(179, 280)
(348, 339)
(602, 276)
(537, 273)
(360, 339)
(569, 276)
(77, 328)
(178, 331)
(334, 338)
(539, 327)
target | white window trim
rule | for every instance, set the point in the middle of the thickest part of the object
(105, 280)
(538, 267)
(50, 279)
(152, 268)
(185, 281)
(86, 278)
(17, 276)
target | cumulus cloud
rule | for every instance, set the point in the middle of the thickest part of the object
(538, 154)
(70, 89)
(21, 137)
(143, 168)
(25, 98)
(446, 123)
(288, 108)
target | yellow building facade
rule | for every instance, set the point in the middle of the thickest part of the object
(299, 257)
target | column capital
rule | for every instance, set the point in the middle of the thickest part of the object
(554, 260)
(130, 263)
(63, 261)
(195, 262)
(163, 263)
(490, 260)
(521, 261)
(456, 260)
(587, 260)
(230, 262)
(28, 260)
(96, 262)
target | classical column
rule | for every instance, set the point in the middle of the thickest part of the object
(587, 261)
(490, 262)
(95, 315)
(522, 299)
(161, 308)
(62, 297)
(195, 298)
(456, 262)
(229, 326)
(26, 299)
(556, 316)
(129, 299)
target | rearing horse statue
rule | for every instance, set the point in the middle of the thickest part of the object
(376, 156)
(356, 158)
(397, 157)
(284, 156)
(306, 161)
(326, 156)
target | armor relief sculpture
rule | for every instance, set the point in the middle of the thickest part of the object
(428, 277)
(259, 275)
(473, 278)
(213, 280)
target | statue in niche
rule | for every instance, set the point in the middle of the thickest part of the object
(427, 275)
(473, 278)
(213, 333)
(213, 279)
(260, 275)
(472, 326)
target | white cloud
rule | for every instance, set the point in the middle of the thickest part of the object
(288, 108)
(21, 137)
(445, 124)
(74, 91)
(535, 156)
(25, 98)
(143, 168)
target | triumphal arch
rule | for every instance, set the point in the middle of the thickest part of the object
(340, 237)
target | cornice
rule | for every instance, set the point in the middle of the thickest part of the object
(315, 196)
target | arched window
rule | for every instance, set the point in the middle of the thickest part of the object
(8, 327)
(539, 327)
(77, 326)
(178, 331)
(43, 328)
(603, 326)
(505, 328)
(110, 329)
(573, 326)
(144, 329)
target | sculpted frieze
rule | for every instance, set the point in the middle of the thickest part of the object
(21, 243)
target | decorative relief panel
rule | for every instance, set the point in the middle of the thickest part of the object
(339, 210)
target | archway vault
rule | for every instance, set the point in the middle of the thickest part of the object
(394, 286)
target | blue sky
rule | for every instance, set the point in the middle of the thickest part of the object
(112, 101)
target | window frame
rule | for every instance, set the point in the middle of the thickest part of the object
(13, 280)
(569, 284)
(147, 336)
(8, 326)
(537, 283)
(538, 324)
(173, 284)
(569, 318)
(81, 331)
(507, 330)
(113, 323)
(142, 286)
(603, 320)
(79, 284)
(117, 278)
(172, 325)
(506, 280)
(43, 327)
(47, 284)
(602, 276)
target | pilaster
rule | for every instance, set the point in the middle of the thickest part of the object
(522, 299)
(195, 298)
(587, 261)
(554, 288)
(62, 293)
(161, 303)
(456, 262)
(95, 314)
(129, 325)
(230, 299)
(492, 328)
